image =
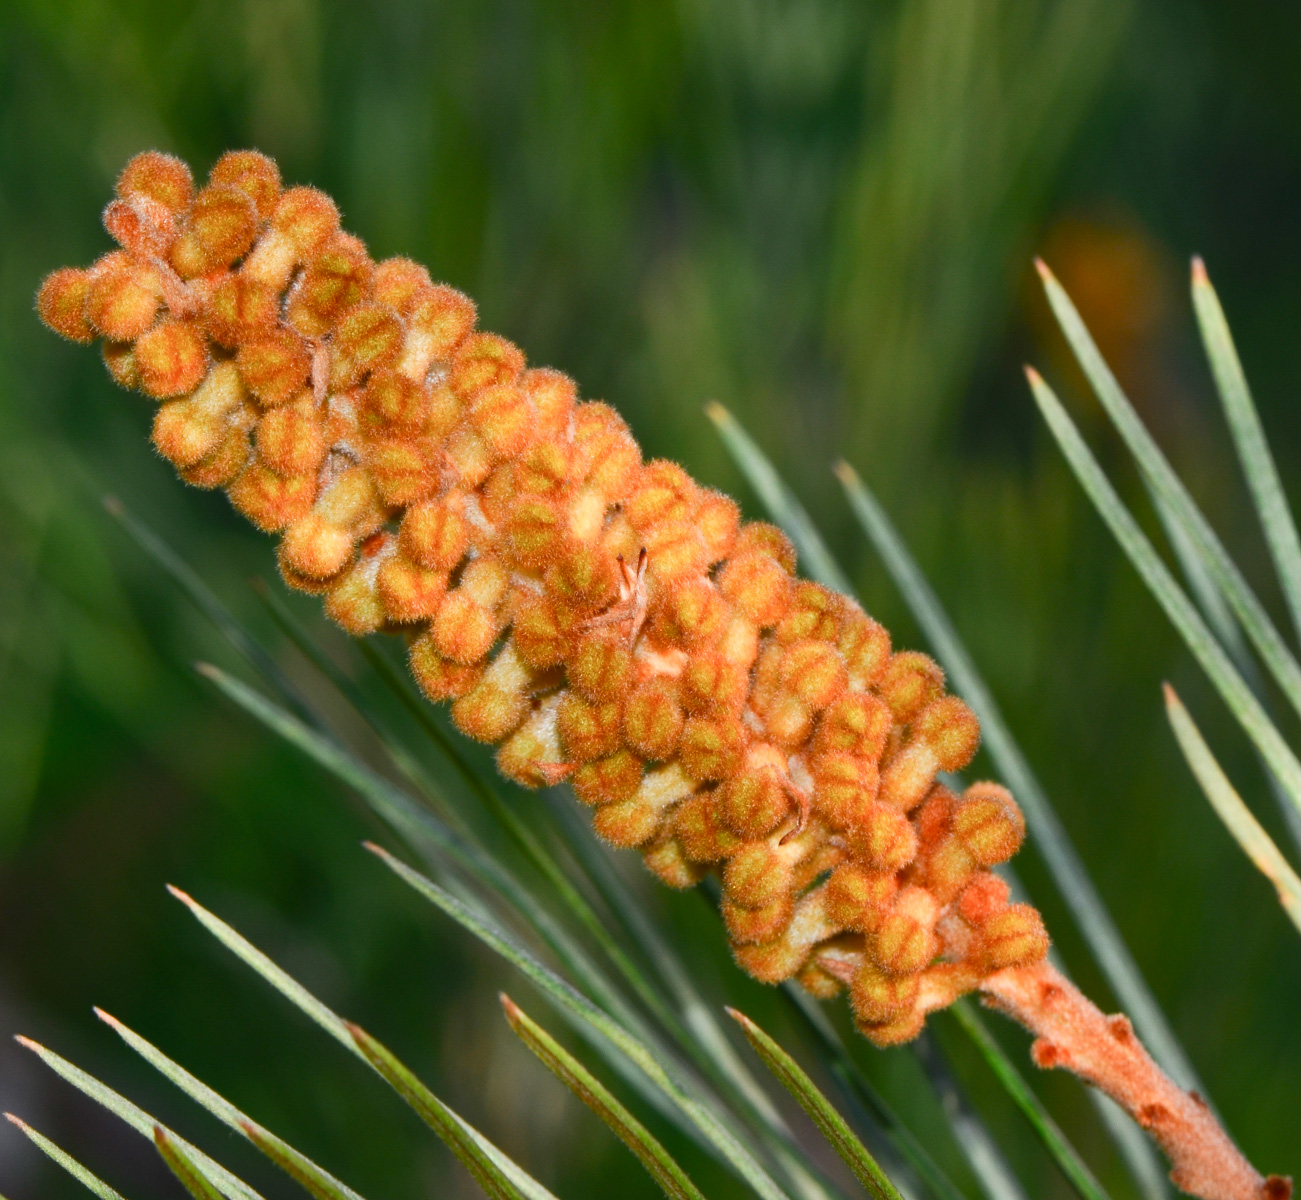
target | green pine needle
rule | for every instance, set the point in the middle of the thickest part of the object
(1249, 438)
(426, 833)
(1185, 618)
(830, 1123)
(569, 1001)
(191, 1178)
(436, 1115)
(478, 1154)
(659, 1164)
(206, 601)
(859, 1091)
(315, 1179)
(229, 1186)
(85, 1177)
(780, 501)
(1229, 807)
(1171, 491)
(431, 838)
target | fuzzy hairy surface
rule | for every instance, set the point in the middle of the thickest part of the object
(597, 618)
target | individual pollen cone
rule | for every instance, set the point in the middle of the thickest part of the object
(599, 619)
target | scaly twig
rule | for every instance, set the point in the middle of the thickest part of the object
(1072, 1032)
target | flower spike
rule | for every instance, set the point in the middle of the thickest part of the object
(717, 713)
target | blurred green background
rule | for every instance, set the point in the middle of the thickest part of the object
(821, 214)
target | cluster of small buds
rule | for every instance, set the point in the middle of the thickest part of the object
(597, 618)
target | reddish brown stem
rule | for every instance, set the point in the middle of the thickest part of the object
(1072, 1033)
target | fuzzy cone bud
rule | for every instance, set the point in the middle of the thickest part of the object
(598, 618)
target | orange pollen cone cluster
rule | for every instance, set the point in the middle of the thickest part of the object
(598, 618)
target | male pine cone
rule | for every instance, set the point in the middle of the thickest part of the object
(595, 617)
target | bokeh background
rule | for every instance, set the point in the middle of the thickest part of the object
(821, 214)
